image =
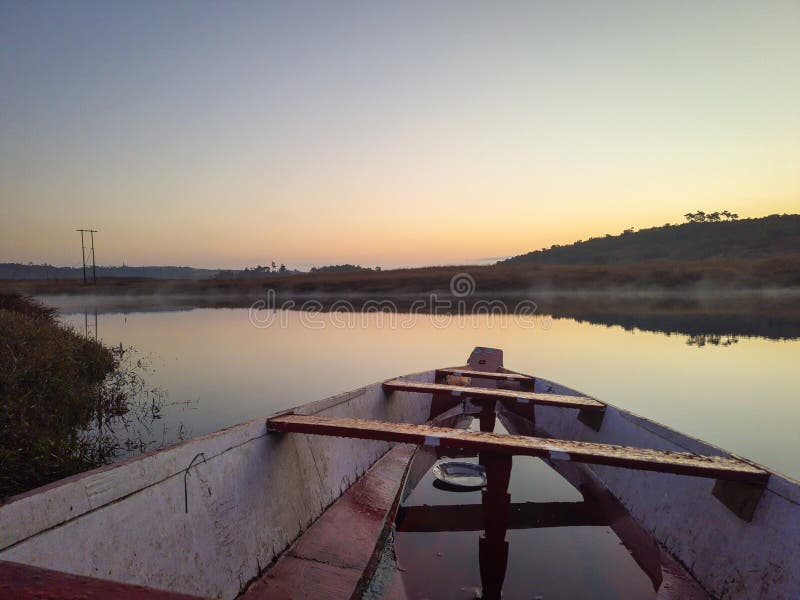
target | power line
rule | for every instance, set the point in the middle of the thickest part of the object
(91, 232)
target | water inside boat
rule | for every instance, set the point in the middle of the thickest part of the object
(539, 537)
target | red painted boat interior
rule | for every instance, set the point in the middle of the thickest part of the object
(24, 582)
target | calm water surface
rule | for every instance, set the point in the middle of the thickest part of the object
(219, 369)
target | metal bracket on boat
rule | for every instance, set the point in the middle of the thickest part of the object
(740, 498)
(186, 474)
(592, 418)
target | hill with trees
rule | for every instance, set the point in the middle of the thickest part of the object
(719, 235)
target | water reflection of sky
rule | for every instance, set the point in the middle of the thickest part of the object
(742, 397)
(546, 560)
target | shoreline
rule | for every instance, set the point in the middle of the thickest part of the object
(751, 297)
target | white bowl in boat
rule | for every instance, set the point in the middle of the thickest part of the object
(460, 473)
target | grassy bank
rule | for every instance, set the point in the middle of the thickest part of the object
(52, 392)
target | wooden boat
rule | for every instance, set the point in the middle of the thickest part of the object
(300, 504)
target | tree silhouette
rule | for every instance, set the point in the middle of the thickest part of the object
(701, 217)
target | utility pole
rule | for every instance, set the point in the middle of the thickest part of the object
(94, 269)
(83, 254)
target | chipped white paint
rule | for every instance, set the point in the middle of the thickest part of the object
(251, 496)
(731, 558)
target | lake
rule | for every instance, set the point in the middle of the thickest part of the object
(222, 366)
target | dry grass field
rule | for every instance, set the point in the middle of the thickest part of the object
(710, 276)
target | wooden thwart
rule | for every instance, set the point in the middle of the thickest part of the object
(485, 375)
(682, 463)
(581, 402)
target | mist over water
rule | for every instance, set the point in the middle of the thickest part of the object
(771, 313)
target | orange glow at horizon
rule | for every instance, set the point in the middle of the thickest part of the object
(321, 137)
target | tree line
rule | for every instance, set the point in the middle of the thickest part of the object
(274, 269)
(702, 217)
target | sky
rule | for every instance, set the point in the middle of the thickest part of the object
(230, 134)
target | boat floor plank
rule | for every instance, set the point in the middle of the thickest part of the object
(296, 579)
(581, 402)
(330, 558)
(681, 463)
(467, 372)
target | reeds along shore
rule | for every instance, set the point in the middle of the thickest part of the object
(61, 398)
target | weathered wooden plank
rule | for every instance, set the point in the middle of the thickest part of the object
(485, 375)
(581, 402)
(681, 463)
